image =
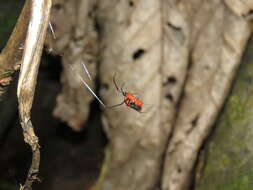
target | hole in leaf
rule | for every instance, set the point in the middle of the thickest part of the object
(131, 3)
(169, 97)
(138, 53)
(57, 6)
(171, 80)
(179, 170)
(173, 26)
(195, 121)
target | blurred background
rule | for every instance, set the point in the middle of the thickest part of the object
(185, 141)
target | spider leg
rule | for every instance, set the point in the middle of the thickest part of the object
(115, 84)
(87, 86)
(116, 105)
(121, 89)
(52, 29)
(114, 81)
(87, 71)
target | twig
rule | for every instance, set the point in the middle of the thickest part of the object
(27, 80)
(11, 55)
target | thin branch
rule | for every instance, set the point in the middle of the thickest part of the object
(27, 80)
(11, 55)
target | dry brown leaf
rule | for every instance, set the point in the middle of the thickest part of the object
(192, 47)
(220, 38)
(76, 41)
(131, 38)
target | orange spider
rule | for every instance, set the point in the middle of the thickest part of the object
(129, 99)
